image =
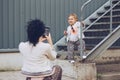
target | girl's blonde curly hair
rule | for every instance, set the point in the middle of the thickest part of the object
(74, 15)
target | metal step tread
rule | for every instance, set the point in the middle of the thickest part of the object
(110, 6)
(102, 26)
(114, 10)
(114, 16)
(93, 30)
(95, 37)
(98, 23)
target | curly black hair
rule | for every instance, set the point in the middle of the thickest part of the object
(35, 29)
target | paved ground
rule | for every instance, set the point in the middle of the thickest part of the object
(16, 75)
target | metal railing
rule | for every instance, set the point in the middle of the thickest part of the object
(81, 28)
(112, 6)
(104, 44)
(97, 50)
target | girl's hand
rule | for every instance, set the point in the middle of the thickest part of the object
(82, 23)
(65, 32)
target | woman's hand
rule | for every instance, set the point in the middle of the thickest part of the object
(49, 39)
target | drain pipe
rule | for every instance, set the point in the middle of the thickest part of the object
(81, 28)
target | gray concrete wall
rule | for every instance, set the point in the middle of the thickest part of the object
(10, 61)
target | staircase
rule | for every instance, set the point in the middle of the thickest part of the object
(101, 27)
(104, 44)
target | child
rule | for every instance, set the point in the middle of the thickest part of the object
(73, 36)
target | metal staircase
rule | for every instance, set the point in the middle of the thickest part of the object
(104, 44)
(100, 26)
(98, 35)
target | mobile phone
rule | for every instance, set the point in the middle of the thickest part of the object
(47, 31)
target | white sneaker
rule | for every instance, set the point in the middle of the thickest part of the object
(71, 61)
(84, 57)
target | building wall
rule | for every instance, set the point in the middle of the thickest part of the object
(14, 15)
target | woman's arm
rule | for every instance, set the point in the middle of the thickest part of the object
(51, 53)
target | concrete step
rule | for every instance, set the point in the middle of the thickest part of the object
(90, 43)
(113, 66)
(109, 76)
(13, 62)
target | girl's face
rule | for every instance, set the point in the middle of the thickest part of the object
(71, 20)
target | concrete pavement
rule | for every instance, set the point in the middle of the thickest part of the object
(16, 75)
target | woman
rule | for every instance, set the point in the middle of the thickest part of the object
(37, 54)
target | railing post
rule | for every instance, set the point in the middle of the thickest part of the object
(111, 16)
(81, 28)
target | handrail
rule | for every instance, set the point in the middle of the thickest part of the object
(81, 30)
(111, 19)
(100, 17)
(104, 44)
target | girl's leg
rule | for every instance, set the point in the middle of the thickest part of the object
(70, 49)
(79, 47)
